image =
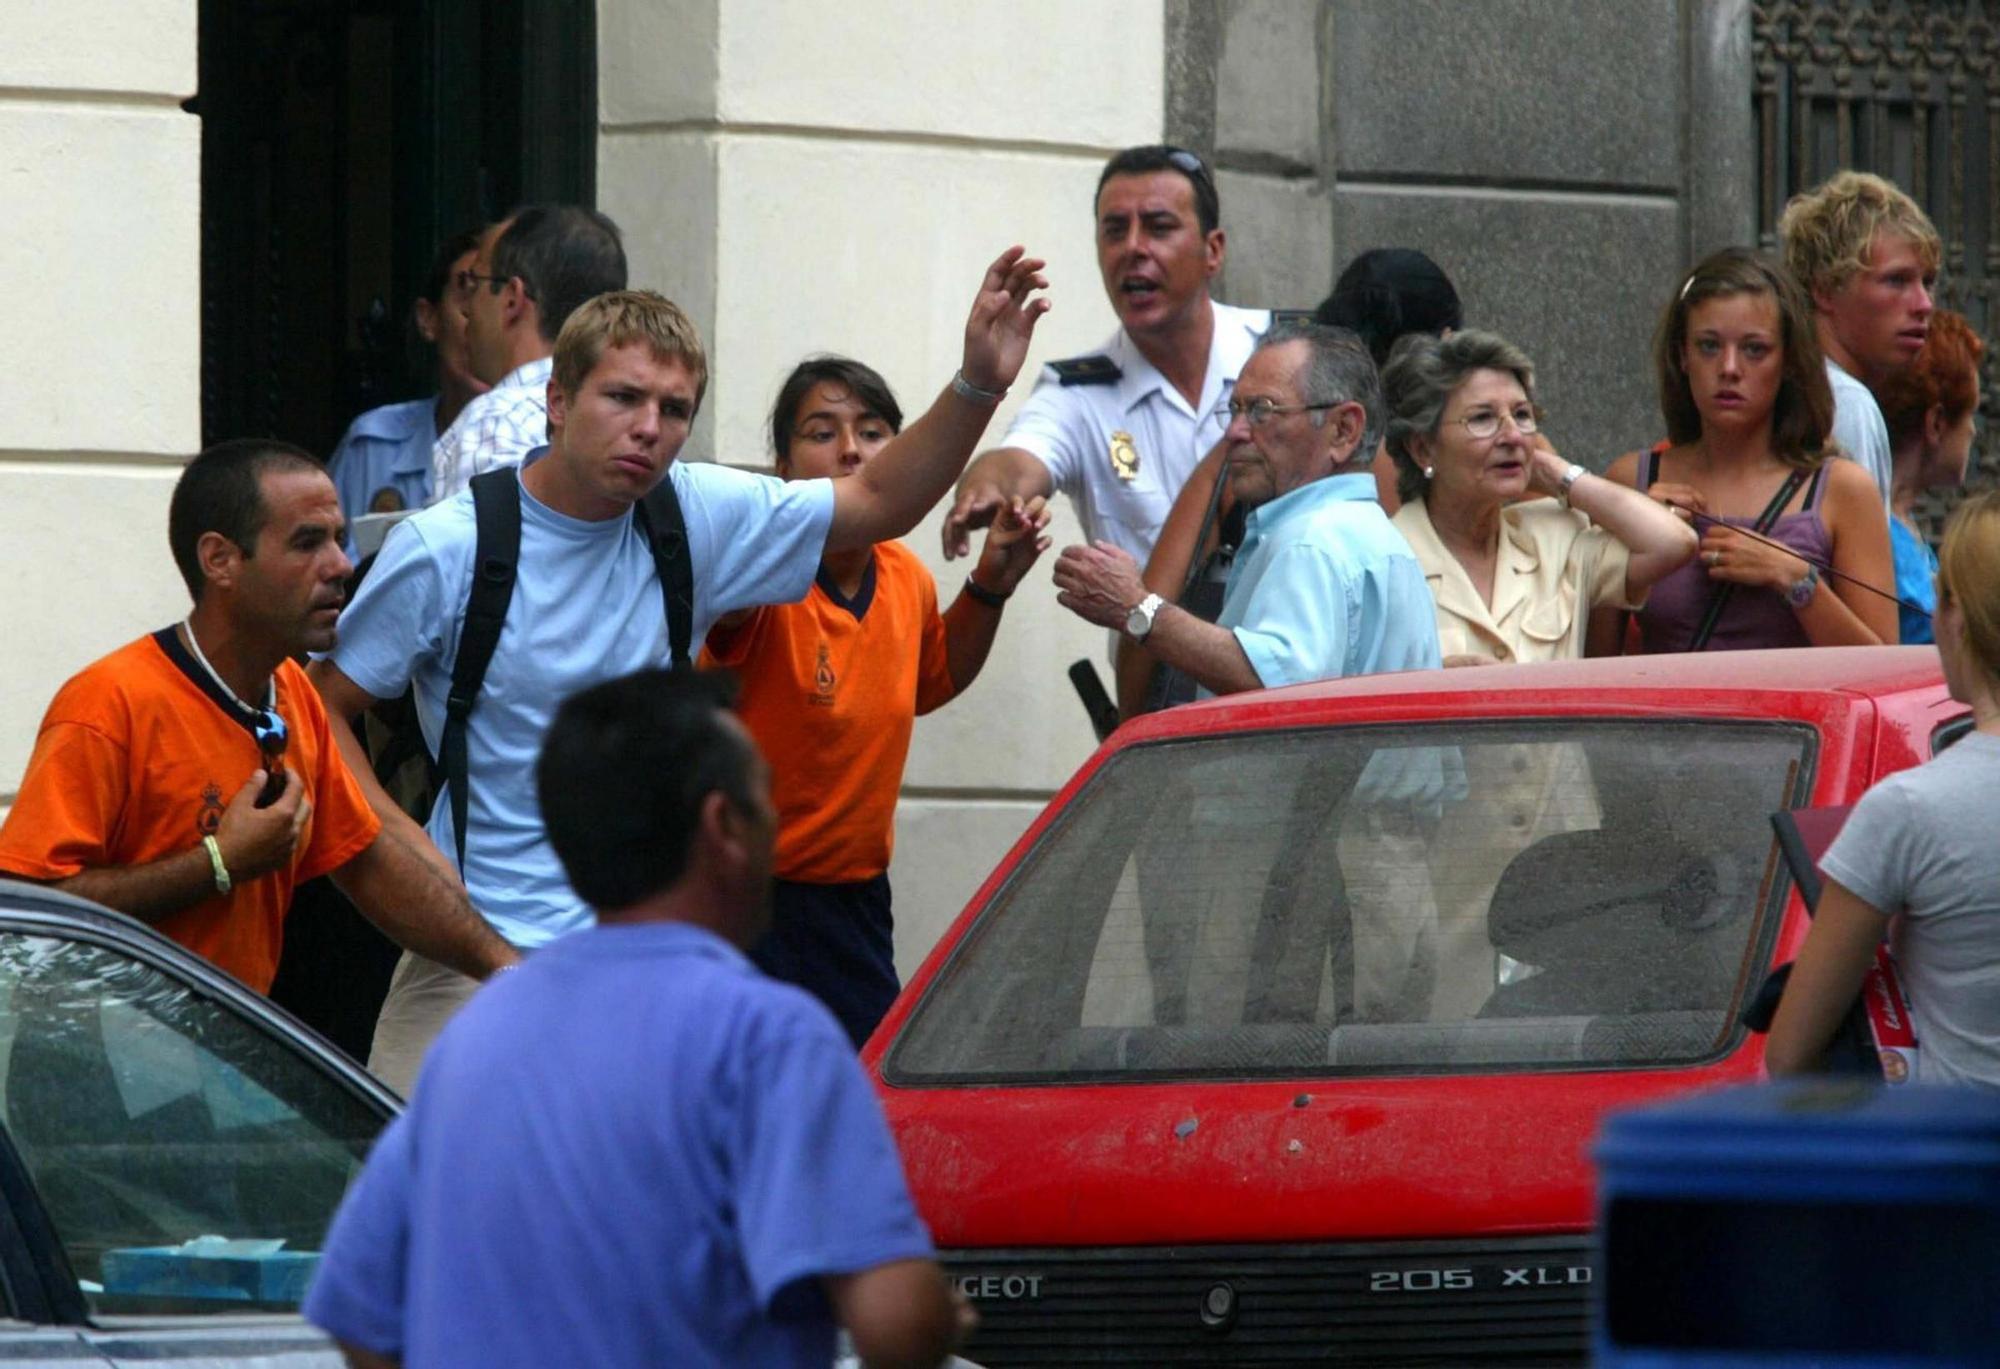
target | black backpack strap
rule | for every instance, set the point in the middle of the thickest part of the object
(1718, 598)
(496, 512)
(664, 527)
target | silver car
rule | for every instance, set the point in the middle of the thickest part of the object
(172, 1149)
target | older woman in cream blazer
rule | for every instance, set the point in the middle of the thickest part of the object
(1514, 575)
(1518, 545)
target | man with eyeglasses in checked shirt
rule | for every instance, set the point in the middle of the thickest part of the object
(1121, 430)
(189, 778)
(532, 269)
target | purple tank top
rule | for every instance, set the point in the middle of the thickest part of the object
(1753, 617)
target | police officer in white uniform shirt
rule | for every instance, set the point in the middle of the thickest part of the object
(1120, 431)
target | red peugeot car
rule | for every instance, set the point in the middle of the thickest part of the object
(1282, 1035)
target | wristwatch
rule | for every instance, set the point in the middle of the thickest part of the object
(1802, 590)
(1569, 478)
(1139, 618)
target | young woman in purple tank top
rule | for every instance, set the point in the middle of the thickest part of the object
(1744, 393)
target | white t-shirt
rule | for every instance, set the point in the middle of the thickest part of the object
(1920, 845)
(586, 608)
(1858, 426)
(1122, 449)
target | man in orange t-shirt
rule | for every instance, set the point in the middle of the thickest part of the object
(831, 689)
(189, 778)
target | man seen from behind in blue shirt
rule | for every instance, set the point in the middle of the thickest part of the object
(637, 1149)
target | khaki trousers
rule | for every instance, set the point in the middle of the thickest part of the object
(423, 996)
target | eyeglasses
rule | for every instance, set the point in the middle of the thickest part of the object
(1188, 164)
(1261, 411)
(466, 280)
(1487, 423)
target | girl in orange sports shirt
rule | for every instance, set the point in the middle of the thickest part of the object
(832, 686)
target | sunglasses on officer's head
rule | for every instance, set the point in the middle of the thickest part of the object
(1188, 164)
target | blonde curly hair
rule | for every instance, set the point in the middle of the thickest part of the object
(1829, 231)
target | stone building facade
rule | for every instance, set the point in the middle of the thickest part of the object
(804, 179)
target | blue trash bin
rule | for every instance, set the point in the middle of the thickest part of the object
(1817, 1221)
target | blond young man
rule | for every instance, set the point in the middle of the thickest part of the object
(1868, 256)
(629, 372)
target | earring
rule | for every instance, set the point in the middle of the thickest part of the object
(1429, 471)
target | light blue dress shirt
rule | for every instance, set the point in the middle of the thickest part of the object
(1323, 587)
(390, 448)
(636, 1150)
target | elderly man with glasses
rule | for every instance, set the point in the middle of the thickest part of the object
(1322, 586)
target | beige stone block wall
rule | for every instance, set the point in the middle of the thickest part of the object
(839, 187)
(101, 178)
(931, 889)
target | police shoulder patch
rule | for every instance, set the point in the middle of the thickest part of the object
(1090, 370)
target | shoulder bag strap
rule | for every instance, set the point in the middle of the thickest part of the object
(496, 511)
(1718, 598)
(1197, 562)
(664, 527)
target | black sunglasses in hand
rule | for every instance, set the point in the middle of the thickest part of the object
(269, 730)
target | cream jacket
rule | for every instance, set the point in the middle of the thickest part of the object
(1553, 568)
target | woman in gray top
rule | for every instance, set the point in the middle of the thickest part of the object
(1920, 848)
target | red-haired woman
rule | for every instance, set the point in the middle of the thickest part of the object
(1929, 410)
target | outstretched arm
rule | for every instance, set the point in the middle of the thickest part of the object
(995, 479)
(889, 494)
(1018, 538)
(1101, 584)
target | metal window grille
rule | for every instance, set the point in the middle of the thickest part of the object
(1909, 89)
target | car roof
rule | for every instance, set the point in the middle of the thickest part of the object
(20, 896)
(1573, 686)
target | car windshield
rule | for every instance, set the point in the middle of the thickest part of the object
(1541, 894)
(189, 1160)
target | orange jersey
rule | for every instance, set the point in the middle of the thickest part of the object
(831, 691)
(134, 763)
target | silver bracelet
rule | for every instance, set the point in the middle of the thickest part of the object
(965, 389)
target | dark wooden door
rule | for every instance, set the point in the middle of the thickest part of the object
(342, 140)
